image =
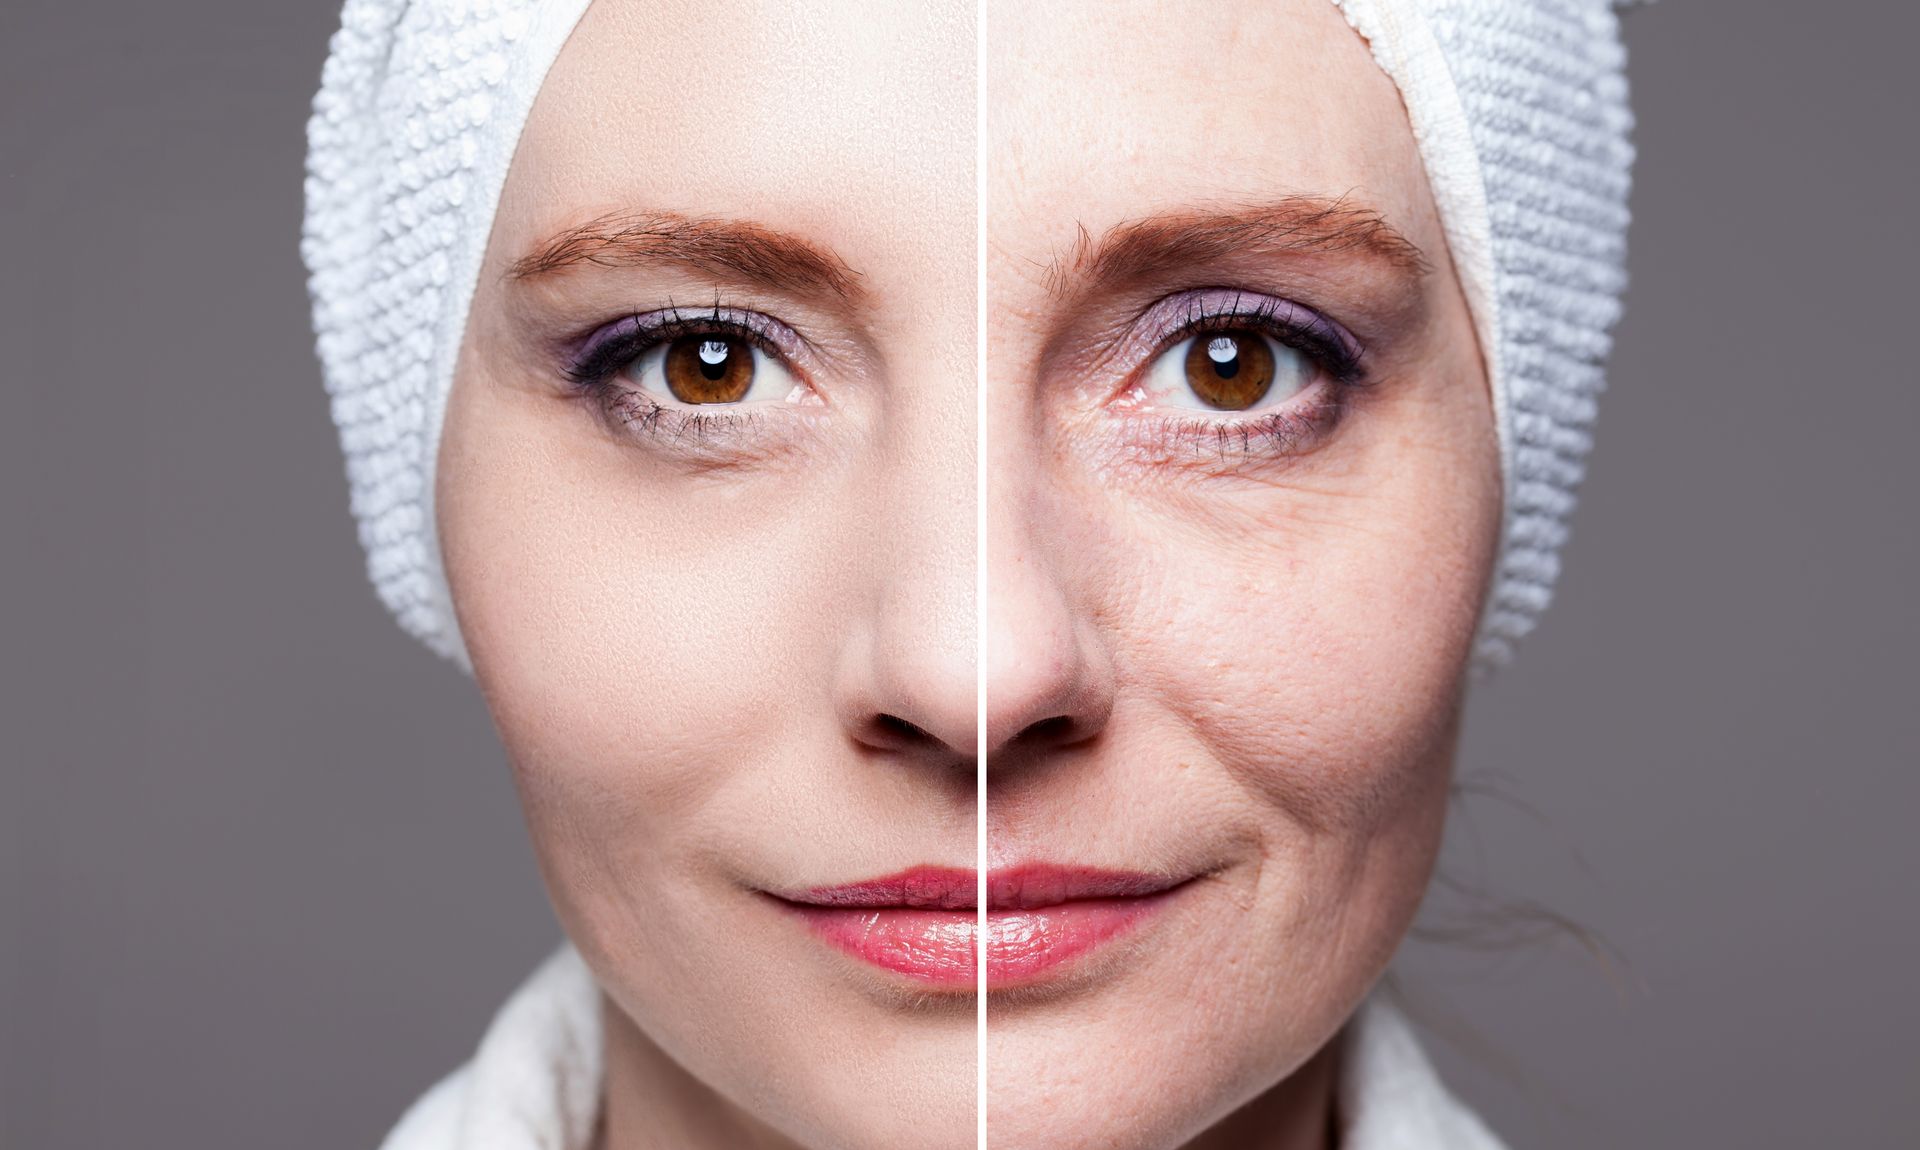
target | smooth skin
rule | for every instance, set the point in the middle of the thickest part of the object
(1234, 657)
(739, 656)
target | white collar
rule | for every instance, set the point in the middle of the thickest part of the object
(534, 1083)
(1390, 1097)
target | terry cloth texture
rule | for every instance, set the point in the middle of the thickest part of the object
(420, 106)
(1519, 110)
(535, 1081)
(1518, 107)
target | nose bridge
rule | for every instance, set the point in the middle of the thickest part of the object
(921, 651)
(1046, 676)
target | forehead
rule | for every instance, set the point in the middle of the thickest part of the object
(1102, 112)
(840, 121)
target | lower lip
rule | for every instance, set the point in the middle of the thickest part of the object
(939, 947)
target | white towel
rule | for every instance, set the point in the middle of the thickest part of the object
(421, 104)
(1519, 110)
(534, 1083)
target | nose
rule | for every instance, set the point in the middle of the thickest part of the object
(1049, 680)
(910, 677)
(917, 686)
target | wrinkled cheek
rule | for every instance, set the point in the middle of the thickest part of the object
(1323, 674)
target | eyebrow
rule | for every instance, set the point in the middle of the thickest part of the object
(735, 248)
(1313, 225)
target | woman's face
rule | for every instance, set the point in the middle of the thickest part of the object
(706, 496)
(707, 499)
(1242, 500)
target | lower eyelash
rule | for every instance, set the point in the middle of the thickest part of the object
(630, 410)
(1274, 433)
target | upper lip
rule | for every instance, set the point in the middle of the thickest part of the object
(1026, 886)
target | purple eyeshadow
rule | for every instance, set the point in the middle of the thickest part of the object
(1217, 309)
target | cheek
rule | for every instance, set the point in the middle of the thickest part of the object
(612, 617)
(1312, 636)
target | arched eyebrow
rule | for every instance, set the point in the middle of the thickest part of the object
(736, 249)
(1154, 245)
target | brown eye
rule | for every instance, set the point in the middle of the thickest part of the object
(1229, 370)
(708, 369)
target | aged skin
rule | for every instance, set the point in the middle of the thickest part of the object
(1225, 644)
(729, 640)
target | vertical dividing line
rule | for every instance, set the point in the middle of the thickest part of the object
(980, 558)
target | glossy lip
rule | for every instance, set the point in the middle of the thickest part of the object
(924, 923)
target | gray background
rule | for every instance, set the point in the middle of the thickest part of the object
(262, 876)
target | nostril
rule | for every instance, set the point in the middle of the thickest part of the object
(1048, 732)
(891, 732)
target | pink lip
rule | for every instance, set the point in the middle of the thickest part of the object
(923, 922)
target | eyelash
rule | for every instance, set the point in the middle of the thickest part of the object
(595, 368)
(1338, 359)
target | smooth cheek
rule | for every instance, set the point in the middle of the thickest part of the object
(660, 649)
(609, 616)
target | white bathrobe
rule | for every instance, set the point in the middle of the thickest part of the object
(534, 1084)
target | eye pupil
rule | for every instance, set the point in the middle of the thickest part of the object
(1231, 370)
(1225, 354)
(708, 369)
